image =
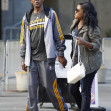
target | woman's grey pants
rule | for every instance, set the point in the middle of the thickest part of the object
(43, 73)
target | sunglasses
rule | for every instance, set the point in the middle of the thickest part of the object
(77, 10)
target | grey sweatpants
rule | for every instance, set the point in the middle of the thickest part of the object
(44, 73)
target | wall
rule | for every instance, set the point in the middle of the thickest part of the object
(66, 15)
(15, 12)
(104, 14)
(0, 20)
(2, 57)
(65, 11)
(103, 8)
(17, 9)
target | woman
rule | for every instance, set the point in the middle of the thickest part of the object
(85, 29)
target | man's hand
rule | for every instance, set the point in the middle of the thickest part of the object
(63, 61)
(23, 66)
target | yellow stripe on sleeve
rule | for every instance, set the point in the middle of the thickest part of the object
(59, 28)
(22, 33)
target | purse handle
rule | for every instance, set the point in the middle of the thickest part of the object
(79, 58)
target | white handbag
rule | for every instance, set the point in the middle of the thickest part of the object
(77, 72)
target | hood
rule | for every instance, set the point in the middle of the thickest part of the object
(74, 24)
(29, 13)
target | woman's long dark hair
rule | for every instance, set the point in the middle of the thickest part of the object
(90, 14)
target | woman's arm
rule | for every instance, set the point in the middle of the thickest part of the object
(94, 37)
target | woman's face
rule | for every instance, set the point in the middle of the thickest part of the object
(79, 14)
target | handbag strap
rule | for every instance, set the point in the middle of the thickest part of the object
(79, 58)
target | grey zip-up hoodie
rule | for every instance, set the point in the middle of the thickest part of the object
(53, 37)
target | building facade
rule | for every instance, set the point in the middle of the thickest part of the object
(13, 11)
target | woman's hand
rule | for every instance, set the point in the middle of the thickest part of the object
(81, 41)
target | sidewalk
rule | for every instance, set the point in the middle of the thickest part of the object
(104, 91)
(16, 101)
(12, 100)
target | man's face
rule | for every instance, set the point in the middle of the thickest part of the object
(37, 3)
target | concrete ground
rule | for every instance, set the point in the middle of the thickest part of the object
(16, 101)
(11, 100)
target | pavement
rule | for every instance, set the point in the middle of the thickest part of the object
(16, 101)
(12, 100)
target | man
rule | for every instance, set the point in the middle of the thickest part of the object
(41, 42)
